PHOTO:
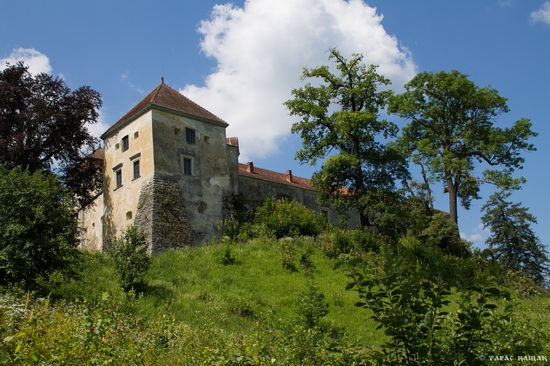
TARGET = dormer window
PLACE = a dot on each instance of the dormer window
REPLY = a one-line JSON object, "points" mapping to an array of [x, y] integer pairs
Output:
{"points": [[190, 136], [125, 143]]}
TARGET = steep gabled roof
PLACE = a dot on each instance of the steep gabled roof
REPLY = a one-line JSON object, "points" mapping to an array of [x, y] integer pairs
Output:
{"points": [[166, 97]]}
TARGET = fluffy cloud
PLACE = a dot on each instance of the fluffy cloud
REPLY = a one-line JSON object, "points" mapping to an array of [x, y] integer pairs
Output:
{"points": [[478, 234], [37, 61], [260, 50], [98, 128], [542, 15]]}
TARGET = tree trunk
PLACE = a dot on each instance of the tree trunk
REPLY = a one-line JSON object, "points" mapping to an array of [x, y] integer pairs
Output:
{"points": [[453, 200]]}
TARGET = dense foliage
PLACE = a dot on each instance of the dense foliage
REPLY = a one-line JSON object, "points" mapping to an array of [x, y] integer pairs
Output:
{"points": [[513, 242], [452, 133], [340, 123], [413, 305], [38, 230], [193, 309], [44, 126], [131, 258], [288, 218]]}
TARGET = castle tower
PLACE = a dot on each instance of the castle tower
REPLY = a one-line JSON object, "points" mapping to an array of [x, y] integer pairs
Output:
{"points": [[165, 170]]}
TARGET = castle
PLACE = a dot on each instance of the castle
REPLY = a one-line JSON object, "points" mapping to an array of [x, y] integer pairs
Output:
{"points": [[169, 168]]}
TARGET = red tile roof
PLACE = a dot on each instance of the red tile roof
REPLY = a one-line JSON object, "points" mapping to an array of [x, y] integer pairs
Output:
{"points": [[165, 96], [247, 170]]}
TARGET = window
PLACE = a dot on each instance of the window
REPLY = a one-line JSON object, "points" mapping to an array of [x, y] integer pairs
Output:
{"points": [[136, 135], [125, 143], [118, 178], [190, 137], [135, 165], [187, 166]]}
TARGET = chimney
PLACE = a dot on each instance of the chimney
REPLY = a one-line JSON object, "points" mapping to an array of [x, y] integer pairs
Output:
{"points": [[289, 175], [250, 167]]}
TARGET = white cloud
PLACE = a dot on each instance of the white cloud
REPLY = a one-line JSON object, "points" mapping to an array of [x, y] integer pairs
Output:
{"points": [[37, 61], [98, 128], [478, 234], [542, 15], [260, 50]]}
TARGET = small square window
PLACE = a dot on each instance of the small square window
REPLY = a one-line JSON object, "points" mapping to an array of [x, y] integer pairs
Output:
{"points": [[135, 165], [125, 143], [187, 166], [118, 178], [190, 136]]}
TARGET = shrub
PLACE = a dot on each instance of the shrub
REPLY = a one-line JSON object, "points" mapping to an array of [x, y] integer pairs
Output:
{"points": [[413, 310], [312, 306], [288, 218], [350, 242], [38, 229], [443, 233], [129, 253]]}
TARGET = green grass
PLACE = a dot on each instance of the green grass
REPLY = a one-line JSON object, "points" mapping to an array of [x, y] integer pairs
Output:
{"points": [[193, 308], [194, 283]]}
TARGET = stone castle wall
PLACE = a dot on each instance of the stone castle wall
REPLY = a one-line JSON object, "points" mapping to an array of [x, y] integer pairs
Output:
{"points": [[162, 216]]}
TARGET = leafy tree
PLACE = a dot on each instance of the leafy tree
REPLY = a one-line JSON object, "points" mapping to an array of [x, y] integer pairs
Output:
{"points": [[43, 126], [38, 231], [130, 254], [340, 122], [512, 242], [452, 131]]}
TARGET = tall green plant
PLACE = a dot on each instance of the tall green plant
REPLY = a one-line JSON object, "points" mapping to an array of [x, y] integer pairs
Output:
{"points": [[131, 259]]}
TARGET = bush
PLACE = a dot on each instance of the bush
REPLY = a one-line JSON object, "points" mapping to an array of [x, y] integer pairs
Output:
{"points": [[355, 241], [312, 306], [288, 218], [443, 233], [413, 309], [129, 253], [38, 229]]}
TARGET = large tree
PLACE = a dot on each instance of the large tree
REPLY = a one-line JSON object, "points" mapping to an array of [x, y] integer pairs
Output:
{"points": [[340, 122], [38, 228], [44, 126], [452, 135], [513, 242]]}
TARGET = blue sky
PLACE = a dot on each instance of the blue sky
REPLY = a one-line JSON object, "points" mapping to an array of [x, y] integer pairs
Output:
{"points": [[241, 59]]}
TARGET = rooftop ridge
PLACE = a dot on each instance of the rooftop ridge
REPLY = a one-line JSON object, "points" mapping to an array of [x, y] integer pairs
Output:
{"points": [[167, 97]]}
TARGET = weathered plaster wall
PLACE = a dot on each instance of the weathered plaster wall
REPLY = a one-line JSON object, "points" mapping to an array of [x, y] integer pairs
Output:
{"points": [[120, 204], [204, 190], [90, 220]]}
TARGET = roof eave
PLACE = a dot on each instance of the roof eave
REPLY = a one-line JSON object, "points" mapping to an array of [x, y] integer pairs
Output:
{"points": [[151, 106]]}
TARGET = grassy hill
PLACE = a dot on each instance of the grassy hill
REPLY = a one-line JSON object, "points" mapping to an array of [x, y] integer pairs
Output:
{"points": [[223, 303]]}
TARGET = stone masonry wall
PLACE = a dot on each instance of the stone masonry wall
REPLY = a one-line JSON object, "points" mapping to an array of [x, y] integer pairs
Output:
{"points": [[161, 215]]}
